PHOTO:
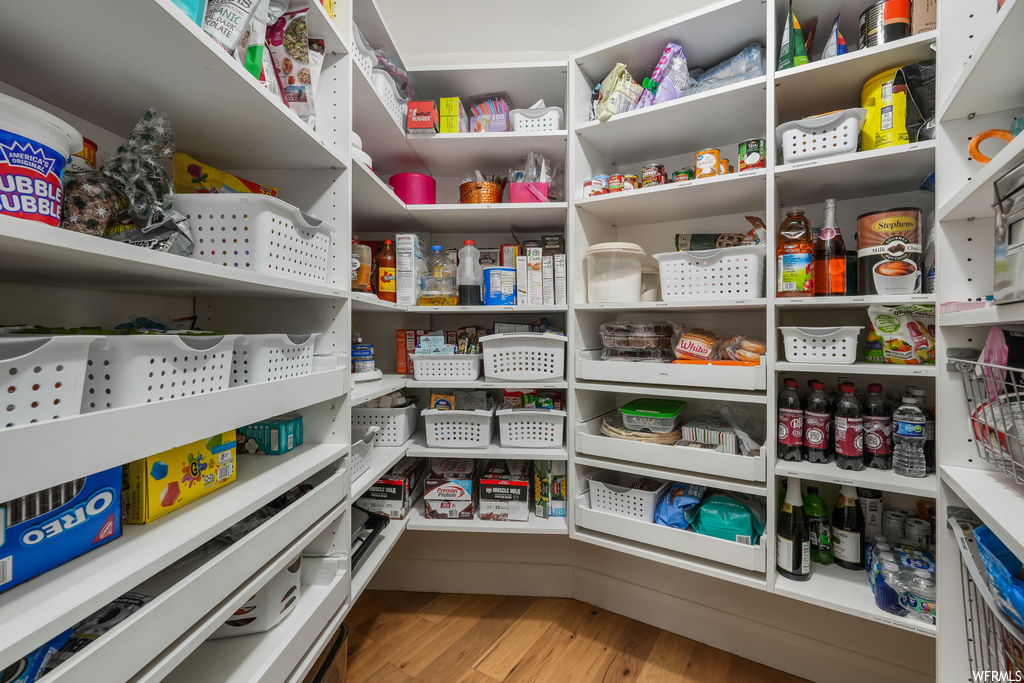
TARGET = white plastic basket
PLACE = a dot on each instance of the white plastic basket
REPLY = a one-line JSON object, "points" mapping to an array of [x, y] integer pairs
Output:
{"points": [[616, 496], [536, 120], [363, 55], [459, 428], [385, 87], [134, 369], [834, 345], [259, 234], [821, 136], [42, 378], [524, 356], [362, 452], [456, 367], [728, 273], [396, 424], [531, 427], [269, 357]]}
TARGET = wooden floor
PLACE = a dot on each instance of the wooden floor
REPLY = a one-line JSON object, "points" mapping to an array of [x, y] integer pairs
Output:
{"points": [[450, 638]]}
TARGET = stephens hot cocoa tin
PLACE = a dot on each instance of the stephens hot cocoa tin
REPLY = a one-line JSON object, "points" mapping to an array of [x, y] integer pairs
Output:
{"points": [[752, 155], [615, 182], [652, 175], [889, 252], [630, 182], [707, 163]]}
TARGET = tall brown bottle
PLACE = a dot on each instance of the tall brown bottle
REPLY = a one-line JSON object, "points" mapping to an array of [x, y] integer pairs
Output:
{"points": [[795, 256], [830, 256]]}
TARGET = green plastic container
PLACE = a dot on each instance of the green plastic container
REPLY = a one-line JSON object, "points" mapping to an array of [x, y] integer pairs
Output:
{"points": [[658, 415]]}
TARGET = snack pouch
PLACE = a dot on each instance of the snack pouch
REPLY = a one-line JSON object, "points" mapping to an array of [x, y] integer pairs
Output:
{"points": [[873, 346], [736, 517], [677, 507], [907, 333], [227, 21], [253, 42], [792, 52], [619, 93], [288, 40], [195, 177], [836, 44]]}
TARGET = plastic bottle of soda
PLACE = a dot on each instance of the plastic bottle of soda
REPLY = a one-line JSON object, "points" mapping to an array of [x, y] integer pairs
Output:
{"points": [[877, 429], [849, 430], [817, 425], [791, 422]]}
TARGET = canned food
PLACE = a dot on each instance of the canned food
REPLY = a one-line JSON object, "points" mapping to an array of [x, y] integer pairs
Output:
{"points": [[917, 532], [362, 358], [684, 175], [892, 524], [707, 163], [885, 21], [630, 182], [751, 153], [592, 187], [615, 182], [723, 167], [652, 175]]}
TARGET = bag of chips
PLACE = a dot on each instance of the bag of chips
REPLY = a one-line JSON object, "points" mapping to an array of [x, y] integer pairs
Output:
{"points": [[195, 177], [907, 333]]}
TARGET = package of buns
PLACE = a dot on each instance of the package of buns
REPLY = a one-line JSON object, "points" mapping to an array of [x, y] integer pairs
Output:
{"points": [[743, 348]]}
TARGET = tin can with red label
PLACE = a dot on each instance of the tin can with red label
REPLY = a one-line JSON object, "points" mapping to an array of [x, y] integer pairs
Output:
{"points": [[615, 182], [652, 175], [752, 154], [593, 187], [683, 176], [630, 182]]}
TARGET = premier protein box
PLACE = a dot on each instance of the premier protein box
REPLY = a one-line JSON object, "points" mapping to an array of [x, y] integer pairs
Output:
{"points": [[448, 489], [43, 530]]}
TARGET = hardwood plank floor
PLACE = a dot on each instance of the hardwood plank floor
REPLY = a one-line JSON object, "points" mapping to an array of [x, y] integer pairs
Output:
{"points": [[397, 637]]}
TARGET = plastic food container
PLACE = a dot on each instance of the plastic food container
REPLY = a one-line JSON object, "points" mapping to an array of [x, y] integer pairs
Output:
{"points": [[362, 266], [657, 415], [836, 345], [820, 136], [617, 495], [614, 272], [636, 335], [47, 142], [650, 282], [649, 355], [414, 188]]}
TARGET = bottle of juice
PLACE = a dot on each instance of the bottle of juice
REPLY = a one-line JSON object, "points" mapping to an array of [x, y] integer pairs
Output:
{"points": [[830, 256], [795, 256]]}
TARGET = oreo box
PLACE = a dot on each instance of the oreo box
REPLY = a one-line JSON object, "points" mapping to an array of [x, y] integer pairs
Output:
{"points": [[448, 489], [504, 491], [43, 530]]}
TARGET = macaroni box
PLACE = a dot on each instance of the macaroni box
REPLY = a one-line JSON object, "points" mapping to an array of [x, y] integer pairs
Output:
{"points": [[275, 436], [448, 489], [504, 490], [156, 485], [394, 493], [43, 530]]}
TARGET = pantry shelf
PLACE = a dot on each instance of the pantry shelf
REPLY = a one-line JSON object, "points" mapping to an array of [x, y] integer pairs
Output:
{"points": [[534, 525], [672, 473], [383, 139], [38, 254], [674, 392], [417, 448], [365, 391], [485, 384], [827, 302], [832, 84], [993, 497], [213, 103], [688, 305], [451, 154], [860, 368], [989, 315], [735, 193], [975, 198], [434, 310], [368, 302], [589, 366], [384, 458], [375, 557], [857, 174], [724, 113], [75, 447], [37, 610], [375, 203], [981, 87], [523, 82], [884, 480], [846, 591], [462, 218]]}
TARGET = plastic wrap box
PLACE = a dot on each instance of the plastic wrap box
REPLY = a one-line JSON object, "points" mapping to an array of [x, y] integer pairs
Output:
{"points": [[156, 485], [422, 117], [43, 530], [448, 489], [275, 436], [394, 493], [504, 491], [549, 488]]}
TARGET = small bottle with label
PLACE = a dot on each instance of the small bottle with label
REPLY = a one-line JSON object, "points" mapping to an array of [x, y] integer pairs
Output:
{"points": [[386, 272], [795, 256]]}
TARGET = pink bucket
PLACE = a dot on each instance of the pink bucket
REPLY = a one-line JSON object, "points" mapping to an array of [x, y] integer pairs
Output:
{"points": [[415, 188]]}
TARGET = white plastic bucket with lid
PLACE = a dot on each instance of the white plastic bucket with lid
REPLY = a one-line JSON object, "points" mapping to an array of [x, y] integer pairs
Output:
{"points": [[34, 147], [613, 272], [650, 282]]}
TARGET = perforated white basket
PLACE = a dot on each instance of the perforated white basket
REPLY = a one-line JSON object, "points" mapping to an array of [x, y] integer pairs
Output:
{"points": [[524, 356], [41, 377], [835, 345], [454, 367], [821, 136], [363, 55], [396, 424], [362, 451], [728, 273], [459, 428], [259, 234], [269, 357], [531, 427], [385, 87], [536, 120], [130, 370], [616, 496]]}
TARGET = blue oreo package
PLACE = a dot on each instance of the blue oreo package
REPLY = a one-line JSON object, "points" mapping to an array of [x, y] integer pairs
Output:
{"points": [[43, 530]]}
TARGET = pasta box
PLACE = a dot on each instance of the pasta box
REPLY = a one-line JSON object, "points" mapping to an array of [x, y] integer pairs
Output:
{"points": [[43, 530], [448, 489], [394, 493], [275, 436], [504, 491], [153, 486]]}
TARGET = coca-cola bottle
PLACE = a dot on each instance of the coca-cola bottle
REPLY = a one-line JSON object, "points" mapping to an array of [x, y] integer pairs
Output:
{"points": [[877, 429], [849, 429], [791, 421], [817, 424]]}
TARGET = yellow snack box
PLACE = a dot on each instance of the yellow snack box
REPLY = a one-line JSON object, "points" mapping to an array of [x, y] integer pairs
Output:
{"points": [[151, 487]]}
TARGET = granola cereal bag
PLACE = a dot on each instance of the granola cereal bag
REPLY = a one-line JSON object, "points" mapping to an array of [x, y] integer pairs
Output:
{"points": [[288, 40]]}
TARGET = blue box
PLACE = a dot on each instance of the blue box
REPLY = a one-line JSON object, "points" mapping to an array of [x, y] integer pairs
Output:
{"points": [[44, 530]]}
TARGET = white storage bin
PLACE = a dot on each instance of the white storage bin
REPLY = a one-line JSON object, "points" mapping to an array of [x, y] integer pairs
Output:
{"points": [[361, 454], [616, 496], [614, 272], [454, 367], [540, 120], [524, 356], [729, 273], [835, 345], [362, 54], [42, 377], [393, 101], [396, 424], [821, 136], [268, 607], [269, 357], [459, 428], [531, 428], [134, 369], [259, 234]]}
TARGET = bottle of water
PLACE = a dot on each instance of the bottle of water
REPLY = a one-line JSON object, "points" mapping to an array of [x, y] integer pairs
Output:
{"points": [[909, 436], [889, 589], [918, 596]]}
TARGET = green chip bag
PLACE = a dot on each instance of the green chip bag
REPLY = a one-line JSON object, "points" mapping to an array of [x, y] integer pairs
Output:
{"points": [[792, 53]]}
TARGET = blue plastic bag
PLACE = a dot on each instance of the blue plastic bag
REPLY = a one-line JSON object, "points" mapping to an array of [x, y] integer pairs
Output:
{"points": [[677, 507], [1003, 568]]}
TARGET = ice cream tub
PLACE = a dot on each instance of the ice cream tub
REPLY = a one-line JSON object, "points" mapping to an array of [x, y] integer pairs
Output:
{"points": [[34, 148]]}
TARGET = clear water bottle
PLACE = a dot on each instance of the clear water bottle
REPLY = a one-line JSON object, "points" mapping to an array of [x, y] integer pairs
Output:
{"points": [[929, 426], [471, 275], [889, 589], [439, 284], [918, 596], [909, 436], [870, 552]]}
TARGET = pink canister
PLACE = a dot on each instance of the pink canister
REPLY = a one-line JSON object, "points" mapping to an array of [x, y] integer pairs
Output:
{"points": [[415, 188]]}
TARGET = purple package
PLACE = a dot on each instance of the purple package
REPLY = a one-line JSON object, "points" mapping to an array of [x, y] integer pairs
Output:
{"points": [[647, 98], [1004, 348]]}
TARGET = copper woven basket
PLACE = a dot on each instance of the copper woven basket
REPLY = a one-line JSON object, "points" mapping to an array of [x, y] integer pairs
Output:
{"points": [[478, 192]]}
